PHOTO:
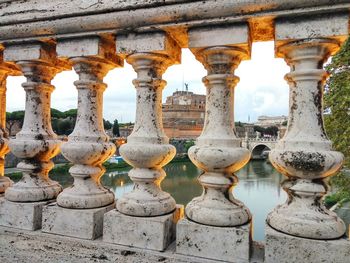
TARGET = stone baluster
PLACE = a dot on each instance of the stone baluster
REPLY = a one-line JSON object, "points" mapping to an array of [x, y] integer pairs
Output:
{"points": [[88, 145], [147, 148], [36, 144], [5, 71], [217, 152], [305, 153]]}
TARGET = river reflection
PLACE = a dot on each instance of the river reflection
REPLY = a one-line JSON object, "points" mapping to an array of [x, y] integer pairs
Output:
{"points": [[259, 187]]}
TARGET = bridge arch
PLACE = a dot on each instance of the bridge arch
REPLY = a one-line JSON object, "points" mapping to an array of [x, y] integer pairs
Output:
{"points": [[260, 151]]}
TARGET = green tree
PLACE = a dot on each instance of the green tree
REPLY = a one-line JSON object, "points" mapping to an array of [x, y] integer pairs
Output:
{"points": [[72, 113], [337, 101], [116, 128], [57, 114], [337, 118], [188, 144], [107, 124], [65, 127]]}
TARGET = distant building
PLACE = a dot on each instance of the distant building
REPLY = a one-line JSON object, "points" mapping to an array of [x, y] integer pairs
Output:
{"points": [[125, 131], [183, 114], [266, 121], [245, 129]]}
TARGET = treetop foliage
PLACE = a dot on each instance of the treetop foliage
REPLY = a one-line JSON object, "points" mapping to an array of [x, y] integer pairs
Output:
{"points": [[337, 101]]}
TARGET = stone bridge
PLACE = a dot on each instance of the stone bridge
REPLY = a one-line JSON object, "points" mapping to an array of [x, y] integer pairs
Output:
{"points": [[260, 147], [40, 38]]}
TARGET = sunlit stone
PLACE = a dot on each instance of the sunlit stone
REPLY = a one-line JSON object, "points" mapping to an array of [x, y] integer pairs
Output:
{"points": [[305, 153]]}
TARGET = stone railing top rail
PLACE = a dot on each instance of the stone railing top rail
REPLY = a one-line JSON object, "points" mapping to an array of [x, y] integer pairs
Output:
{"points": [[262, 140], [22, 20]]}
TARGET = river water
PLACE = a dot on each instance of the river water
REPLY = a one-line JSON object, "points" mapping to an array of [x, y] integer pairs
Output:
{"points": [[258, 187]]}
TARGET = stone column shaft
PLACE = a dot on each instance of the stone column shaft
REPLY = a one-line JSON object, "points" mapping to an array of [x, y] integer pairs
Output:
{"points": [[305, 153]]}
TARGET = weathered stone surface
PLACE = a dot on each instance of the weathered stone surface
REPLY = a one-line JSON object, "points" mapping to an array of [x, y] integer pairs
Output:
{"points": [[237, 35], [88, 145], [33, 51], [5, 182], [156, 42], [93, 46], [282, 248], [21, 215], [6, 69], [20, 245], [57, 17], [154, 233], [229, 244], [305, 153], [332, 25], [80, 223], [147, 148], [217, 151], [36, 144]]}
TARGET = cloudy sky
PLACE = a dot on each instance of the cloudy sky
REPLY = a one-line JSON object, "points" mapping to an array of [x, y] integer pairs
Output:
{"points": [[261, 90]]}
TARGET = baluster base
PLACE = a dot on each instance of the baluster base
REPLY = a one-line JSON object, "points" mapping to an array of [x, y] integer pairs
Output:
{"points": [[229, 244], [86, 192], [26, 216], [79, 223], [155, 233], [35, 185], [147, 198], [207, 210], [283, 248], [304, 215], [5, 182]]}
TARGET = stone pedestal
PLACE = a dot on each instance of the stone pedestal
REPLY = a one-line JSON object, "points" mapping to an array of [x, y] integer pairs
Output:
{"points": [[229, 244], [26, 216], [155, 233], [282, 248], [80, 223]]}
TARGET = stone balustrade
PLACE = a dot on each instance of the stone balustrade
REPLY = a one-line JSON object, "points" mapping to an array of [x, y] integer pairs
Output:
{"points": [[93, 37]]}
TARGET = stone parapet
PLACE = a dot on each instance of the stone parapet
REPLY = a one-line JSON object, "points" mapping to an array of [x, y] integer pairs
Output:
{"points": [[155, 233], [80, 223], [283, 248], [229, 244], [32, 19], [26, 216]]}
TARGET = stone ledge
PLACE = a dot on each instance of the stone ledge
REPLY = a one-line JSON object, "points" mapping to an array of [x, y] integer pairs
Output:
{"points": [[80, 223], [232, 244], [18, 245], [282, 248], [21, 215], [144, 232]]}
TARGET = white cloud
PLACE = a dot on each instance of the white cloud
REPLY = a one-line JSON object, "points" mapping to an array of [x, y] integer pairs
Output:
{"points": [[261, 90]]}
